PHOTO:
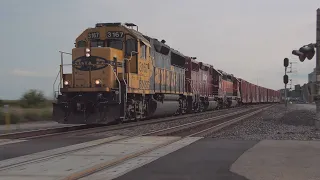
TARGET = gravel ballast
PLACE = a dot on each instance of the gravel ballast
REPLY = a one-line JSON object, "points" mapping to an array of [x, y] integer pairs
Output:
{"points": [[134, 131], [277, 123], [142, 129]]}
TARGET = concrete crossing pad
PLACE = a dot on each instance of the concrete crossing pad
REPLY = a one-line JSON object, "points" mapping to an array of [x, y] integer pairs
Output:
{"points": [[78, 162], [281, 160], [54, 152], [134, 163]]}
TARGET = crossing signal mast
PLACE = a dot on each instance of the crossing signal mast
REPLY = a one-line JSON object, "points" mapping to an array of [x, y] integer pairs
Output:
{"points": [[308, 51], [285, 79]]}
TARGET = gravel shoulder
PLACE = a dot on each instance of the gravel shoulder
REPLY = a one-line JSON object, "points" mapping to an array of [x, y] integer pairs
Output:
{"points": [[277, 123]]}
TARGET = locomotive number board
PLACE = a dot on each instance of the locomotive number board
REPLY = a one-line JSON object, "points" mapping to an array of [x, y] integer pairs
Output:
{"points": [[115, 34], [93, 35]]}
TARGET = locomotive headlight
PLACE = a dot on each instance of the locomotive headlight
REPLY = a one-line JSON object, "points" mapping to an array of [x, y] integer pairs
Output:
{"points": [[87, 50], [66, 83], [87, 55], [98, 82]]}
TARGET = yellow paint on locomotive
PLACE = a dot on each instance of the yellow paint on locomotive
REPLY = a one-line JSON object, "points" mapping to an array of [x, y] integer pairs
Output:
{"points": [[145, 66], [141, 70], [102, 66], [101, 70]]}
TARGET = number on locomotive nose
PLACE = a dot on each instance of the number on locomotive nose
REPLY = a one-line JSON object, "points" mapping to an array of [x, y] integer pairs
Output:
{"points": [[115, 34], [93, 35]]}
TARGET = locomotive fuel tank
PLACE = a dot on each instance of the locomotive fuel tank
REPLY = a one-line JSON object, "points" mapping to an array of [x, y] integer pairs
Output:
{"points": [[168, 105], [233, 103], [212, 104]]}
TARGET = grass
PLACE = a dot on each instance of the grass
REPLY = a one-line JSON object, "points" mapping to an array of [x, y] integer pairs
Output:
{"points": [[22, 115]]}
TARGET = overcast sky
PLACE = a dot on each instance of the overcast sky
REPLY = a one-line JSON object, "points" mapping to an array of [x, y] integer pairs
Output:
{"points": [[248, 38]]}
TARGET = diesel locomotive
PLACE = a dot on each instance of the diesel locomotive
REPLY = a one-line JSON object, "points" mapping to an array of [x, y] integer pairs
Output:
{"points": [[120, 74]]}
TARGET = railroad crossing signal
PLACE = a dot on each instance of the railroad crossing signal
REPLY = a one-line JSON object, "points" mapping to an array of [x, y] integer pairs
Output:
{"points": [[306, 51], [286, 62], [285, 79]]}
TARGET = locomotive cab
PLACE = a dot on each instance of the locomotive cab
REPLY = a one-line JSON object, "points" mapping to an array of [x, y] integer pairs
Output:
{"points": [[103, 60]]}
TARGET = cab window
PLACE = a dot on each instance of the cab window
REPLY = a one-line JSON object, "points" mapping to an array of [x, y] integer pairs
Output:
{"points": [[97, 43], [143, 50], [115, 43], [81, 44], [130, 46]]}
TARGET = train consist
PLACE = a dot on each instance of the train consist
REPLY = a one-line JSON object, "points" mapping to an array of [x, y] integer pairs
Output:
{"points": [[119, 74]]}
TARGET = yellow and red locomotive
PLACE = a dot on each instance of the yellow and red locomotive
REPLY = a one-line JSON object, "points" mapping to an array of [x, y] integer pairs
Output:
{"points": [[119, 74]]}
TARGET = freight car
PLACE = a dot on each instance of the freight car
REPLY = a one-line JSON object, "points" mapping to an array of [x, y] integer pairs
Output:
{"points": [[254, 94], [119, 74]]}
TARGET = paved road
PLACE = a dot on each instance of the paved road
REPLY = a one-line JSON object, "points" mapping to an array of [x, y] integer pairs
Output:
{"points": [[202, 160], [30, 126], [41, 144]]}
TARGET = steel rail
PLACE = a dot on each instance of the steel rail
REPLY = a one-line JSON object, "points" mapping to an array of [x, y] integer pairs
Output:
{"points": [[39, 133]]}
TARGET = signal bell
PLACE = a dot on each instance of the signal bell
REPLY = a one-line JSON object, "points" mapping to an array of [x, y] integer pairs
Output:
{"points": [[302, 57], [304, 52]]}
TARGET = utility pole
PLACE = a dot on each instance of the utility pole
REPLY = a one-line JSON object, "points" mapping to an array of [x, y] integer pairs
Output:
{"points": [[317, 97], [285, 79], [308, 51]]}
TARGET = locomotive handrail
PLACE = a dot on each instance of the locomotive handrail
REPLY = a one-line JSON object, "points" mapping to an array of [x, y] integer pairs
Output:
{"points": [[189, 80], [61, 66], [118, 84], [125, 82], [54, 84]]}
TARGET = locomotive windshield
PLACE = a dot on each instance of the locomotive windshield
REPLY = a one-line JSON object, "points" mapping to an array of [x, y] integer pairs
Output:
{"points": [[81, 44], [113, 43]]}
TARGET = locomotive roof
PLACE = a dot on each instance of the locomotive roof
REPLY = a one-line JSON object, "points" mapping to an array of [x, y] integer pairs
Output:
{"points": [[207, 65], [142, 37], [222, 72], [146, 40], [177, 52], [227, 74], [218, 71], [139, 36]]}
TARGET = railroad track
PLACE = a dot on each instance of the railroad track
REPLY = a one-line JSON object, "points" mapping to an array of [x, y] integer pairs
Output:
{"points": [[184, 131], [94, 129], [209, 125], [203, 126]]}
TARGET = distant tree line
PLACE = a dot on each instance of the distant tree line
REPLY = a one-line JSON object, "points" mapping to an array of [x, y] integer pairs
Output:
{"points": [[31, 99]]}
